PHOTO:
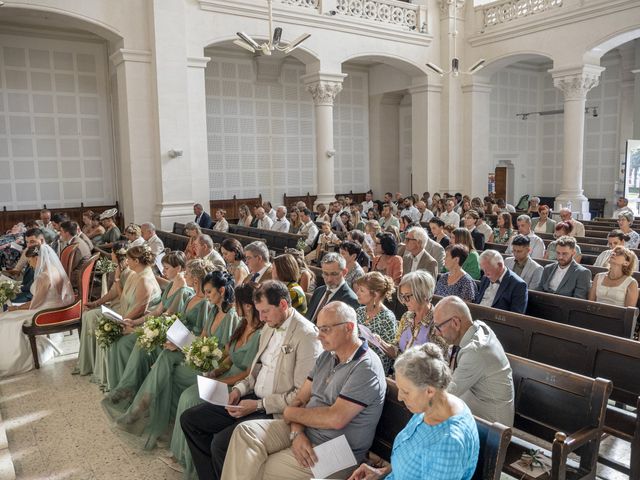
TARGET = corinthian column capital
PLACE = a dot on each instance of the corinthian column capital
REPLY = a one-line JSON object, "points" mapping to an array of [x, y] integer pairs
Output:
{"points": [[575, 82], [324, 87]]}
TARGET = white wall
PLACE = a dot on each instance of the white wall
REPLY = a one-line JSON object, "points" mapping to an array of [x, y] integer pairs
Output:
{"points": [[55, 134], [261, 136]]}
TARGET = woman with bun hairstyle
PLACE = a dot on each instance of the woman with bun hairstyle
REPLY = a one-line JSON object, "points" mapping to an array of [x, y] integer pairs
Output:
{"points": [[141, 291], [234, 367], [372, 290], [441, 440], [233, 254]]}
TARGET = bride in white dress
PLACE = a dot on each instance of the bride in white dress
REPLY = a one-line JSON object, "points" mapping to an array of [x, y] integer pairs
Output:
{"points": [[51, 288]]}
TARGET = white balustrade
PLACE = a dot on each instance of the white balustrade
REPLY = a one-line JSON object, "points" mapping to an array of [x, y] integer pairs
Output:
{"points": [[301, 3], [508, 10], [385, 11]]}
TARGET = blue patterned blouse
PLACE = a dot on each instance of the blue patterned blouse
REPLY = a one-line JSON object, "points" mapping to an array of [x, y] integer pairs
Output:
{"points": [[465, 288]]}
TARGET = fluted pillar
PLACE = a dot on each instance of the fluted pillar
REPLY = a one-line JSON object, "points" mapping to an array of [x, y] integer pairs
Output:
{"points": [[324, 87], [574, 83]]}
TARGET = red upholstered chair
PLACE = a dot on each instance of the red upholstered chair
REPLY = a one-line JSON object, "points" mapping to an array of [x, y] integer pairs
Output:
{"points": [[66, 258], [60, 319]]}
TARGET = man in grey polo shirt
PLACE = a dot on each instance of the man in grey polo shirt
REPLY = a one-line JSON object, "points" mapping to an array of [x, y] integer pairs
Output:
{"points": [[343, 395]]}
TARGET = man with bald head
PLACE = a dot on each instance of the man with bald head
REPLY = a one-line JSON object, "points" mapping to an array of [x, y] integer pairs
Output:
{"points": [[481, 372], [264, 221]]}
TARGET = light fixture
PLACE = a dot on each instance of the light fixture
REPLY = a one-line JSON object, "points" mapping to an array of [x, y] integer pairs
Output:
{"points": [[587, 110], [455, 61], [273, 44]]}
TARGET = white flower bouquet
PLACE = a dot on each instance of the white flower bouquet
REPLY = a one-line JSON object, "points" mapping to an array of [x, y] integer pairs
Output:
{"points": [[203, 354], [301, 244], [153, 332], [105, 265], [8, 291], [108, 331]]}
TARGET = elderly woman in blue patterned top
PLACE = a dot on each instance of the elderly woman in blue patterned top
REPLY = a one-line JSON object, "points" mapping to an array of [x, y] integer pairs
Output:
{"points": [[441, 439]]}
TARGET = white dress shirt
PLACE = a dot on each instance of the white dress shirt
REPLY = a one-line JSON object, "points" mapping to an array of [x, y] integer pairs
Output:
{"points": [[281, 225], [426, 216], [272, 215], [618, 211], [155, 245], [412, 212], [416, 261], [311, 231], [265, 223], [366, 206], [556, 280], [491, 291], [269, 359], [450, 218], [262, 271]]}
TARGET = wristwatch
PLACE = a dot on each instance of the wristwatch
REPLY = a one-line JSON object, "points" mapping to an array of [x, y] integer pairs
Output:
{"points": [[260, 406], [293, 435]]}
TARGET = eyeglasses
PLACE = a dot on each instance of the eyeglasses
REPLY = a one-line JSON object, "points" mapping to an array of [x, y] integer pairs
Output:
{"points": [[327, 329], [439, 326], [330, 274], [405, 297], [408, 239]]}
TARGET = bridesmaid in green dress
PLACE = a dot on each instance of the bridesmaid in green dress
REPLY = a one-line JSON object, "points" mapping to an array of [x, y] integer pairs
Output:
{"points": [[140, 291], [234, 367], [91, 316], [175, 296]]}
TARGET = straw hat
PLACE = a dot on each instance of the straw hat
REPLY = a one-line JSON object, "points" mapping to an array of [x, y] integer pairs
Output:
{"points": [[112, 212]]}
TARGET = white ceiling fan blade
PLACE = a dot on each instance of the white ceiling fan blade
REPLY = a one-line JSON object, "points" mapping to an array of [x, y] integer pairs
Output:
{"points": [[294, 44], [248, 40], [244, 45]]}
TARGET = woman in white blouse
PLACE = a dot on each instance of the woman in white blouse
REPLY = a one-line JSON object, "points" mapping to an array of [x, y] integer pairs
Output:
{"points": [[617, 286]]}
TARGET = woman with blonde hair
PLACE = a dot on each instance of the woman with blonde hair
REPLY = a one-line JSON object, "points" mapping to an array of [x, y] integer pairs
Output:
{"points": [[133, 233], [285, 268], [372, 290], [193, 231], [617, 286], [244, 216]]}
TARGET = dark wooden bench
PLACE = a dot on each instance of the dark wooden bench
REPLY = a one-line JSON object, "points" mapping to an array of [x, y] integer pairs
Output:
{"points": [[560, 407], [582, 351], [580, 240], [232, 206], [494, 438], [219, 237], [619, 321], [291, 200], [277, 241], [174, 241]]}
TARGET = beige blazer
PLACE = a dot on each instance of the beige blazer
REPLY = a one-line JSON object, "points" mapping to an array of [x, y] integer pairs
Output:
{"points": [[427, 262], [296, 359]]}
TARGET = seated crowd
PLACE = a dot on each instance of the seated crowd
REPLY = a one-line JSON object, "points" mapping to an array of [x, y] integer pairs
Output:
{"points": [[305, 359]]}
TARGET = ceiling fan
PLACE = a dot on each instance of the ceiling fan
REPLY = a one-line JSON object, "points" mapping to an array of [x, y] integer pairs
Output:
{"points": [[273, 44]]}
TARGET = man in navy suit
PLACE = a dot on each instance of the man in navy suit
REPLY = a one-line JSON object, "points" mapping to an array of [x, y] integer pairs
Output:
{"points": [[202, 218], [334, 268], [500, 287]]}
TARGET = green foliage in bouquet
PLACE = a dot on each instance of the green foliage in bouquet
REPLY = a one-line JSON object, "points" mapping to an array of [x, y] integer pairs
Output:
{"points": [[105, 265], [203, 354], [153, 332], [108, 331], [8, 291]]}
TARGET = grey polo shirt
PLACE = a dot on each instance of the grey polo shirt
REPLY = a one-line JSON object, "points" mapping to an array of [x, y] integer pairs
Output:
{"points": [[359, 380]]}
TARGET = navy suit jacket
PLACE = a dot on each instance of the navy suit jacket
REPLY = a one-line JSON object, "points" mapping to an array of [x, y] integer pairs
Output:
{"points": [[512, 294], [343, 294], [205, 220]]}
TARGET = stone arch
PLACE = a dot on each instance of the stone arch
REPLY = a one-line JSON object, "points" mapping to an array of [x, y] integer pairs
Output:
{"points": [[496, 64], [405, 65], [611, 41]]}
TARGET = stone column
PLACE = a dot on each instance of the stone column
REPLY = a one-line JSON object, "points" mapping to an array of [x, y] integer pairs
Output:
{"points": [[324, 87], [137, 134], [574, 82], [425, 139], [475, 146]]}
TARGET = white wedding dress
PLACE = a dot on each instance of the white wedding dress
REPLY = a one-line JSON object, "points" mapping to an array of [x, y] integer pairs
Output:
{"points": [[51, 288]]}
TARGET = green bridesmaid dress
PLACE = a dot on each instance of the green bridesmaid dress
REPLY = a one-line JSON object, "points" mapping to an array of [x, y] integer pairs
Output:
{"points": [[241, 359], [117, 355], [89, 349], [140, 361]]}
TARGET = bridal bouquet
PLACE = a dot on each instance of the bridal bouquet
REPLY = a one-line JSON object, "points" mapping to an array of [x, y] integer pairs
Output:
{"points": [[153, 332], [203, 354], [8, 291], [301, 244], [104, 265], [108, 331]]}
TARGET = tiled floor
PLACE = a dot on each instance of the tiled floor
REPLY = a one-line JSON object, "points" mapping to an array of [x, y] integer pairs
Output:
{"points": [[57, 431]]}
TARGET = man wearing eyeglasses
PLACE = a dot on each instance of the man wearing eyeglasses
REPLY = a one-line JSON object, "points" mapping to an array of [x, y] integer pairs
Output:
{"points": [[416, 257], [343, 395], [286, 354], [481, 371], [335, 288]]}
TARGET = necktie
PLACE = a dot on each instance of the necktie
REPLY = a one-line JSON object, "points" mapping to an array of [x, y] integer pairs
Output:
{"points": [[255, 276], [322, 303], [453, 362]]}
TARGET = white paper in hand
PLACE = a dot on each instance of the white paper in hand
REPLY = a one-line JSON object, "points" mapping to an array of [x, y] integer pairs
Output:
{"points": [[110, 314], [368, 335], [213, 391], [180, 335], [333, 456]]}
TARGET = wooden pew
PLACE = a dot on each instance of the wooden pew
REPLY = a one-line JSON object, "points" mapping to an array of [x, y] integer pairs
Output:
{"points": [[277, 241], [174, 241], [232, 206], [308, 199], [561, 407], [217, 237], [586, 352], [494, 438], [8, 218], [618, 321]]}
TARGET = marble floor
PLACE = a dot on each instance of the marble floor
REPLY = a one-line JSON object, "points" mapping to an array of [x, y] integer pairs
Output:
{"points": [[56, 430]]}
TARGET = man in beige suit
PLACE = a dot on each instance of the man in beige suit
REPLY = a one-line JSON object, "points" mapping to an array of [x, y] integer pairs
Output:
{"points": [[286, 354], [415, 256]]}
